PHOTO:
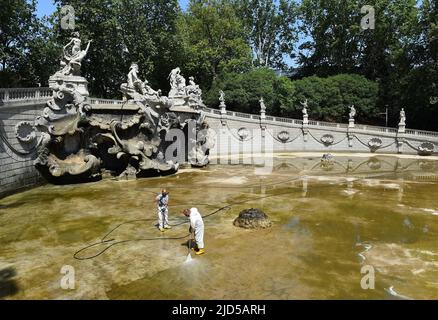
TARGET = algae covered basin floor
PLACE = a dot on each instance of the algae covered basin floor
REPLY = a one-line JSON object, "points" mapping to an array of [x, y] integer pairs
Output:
{"points": [[331, 221]]}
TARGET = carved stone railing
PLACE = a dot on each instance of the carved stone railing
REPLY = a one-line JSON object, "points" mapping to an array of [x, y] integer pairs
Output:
{"points": [[9, 95], [321, 124], [13, 95], [104, 101]]}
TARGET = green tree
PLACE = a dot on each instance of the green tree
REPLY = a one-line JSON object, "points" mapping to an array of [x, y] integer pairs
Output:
{"points": [[329, 98], [358, 91], [42, 59], [418, 89], [126, 31], [331, 30], [271, 28], [398, 53], [244, 90], [19, 26], [214, 40]]}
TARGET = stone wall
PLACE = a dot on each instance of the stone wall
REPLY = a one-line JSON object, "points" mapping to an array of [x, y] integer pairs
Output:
{"points": [[237, 133], [241, 133], [17, 171]]}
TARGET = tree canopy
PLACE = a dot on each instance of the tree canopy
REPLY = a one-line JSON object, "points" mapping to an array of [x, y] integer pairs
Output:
{"points": [[242, 47]]}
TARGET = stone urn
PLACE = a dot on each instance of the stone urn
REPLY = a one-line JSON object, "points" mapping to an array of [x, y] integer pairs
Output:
{"points": [[252, 219]]}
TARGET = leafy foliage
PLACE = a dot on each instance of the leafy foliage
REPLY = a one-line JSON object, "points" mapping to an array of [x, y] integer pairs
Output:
{"points": [[234, 45], [213, 40], [19, 27], [244, 90], [330, 98], [271, 29], [123, 32]]}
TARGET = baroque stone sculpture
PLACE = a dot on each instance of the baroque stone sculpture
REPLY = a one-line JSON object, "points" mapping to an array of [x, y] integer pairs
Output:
{"points": [[177, 83], [136, 89], [184, 97], [80, 141], [72, 57]]}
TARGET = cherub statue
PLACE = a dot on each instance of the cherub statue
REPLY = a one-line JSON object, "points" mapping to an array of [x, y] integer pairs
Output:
{"points": [[73, 56]]}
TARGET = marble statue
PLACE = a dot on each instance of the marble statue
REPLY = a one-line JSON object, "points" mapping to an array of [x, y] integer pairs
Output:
{"points": [[61, 156], [305, 106], [262, 105], [352, 112], [73, 56], [79, 141], [194, 92], [177, 83], [135, 88], [222, 105], [193, 88], [202, 140], [351, 115], [222, 97], [402, 117], [305, 114]]}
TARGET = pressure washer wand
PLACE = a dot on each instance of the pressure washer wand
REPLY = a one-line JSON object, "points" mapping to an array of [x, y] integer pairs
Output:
{"points": [[190, 241]]}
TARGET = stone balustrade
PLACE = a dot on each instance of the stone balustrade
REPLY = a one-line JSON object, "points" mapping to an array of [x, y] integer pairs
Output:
{"points": [[24, 94], [23, 105], [37, 95]]}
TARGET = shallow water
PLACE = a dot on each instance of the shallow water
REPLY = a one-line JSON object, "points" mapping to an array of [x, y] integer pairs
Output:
{"points": [[329, 221]]}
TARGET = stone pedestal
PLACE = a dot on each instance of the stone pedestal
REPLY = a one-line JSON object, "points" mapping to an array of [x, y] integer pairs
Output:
{"points": [[305, 120], [305, 129], [179, 100], [400, 142], [401, 128], [223, 108], [351, 123], [77, 83], [350, 140]]}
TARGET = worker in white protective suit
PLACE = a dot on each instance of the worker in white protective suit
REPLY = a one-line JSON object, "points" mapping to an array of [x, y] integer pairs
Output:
{"points": [[197, 227]]}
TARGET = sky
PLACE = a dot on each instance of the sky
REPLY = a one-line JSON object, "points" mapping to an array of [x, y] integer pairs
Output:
{"points": [[46, 7]]}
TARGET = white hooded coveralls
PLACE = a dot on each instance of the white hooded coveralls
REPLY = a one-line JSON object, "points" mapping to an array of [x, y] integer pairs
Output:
{"points": [[197, 225]]}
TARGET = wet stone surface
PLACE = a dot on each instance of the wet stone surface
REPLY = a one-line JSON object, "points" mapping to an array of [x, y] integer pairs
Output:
{"points": [[327, 224]]}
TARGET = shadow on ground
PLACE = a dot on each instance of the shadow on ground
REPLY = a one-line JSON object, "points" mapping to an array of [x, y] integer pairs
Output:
{"points": [[8, 286]]}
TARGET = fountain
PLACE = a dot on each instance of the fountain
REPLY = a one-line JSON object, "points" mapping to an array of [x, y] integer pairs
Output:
{"points": [[80, 141]]}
